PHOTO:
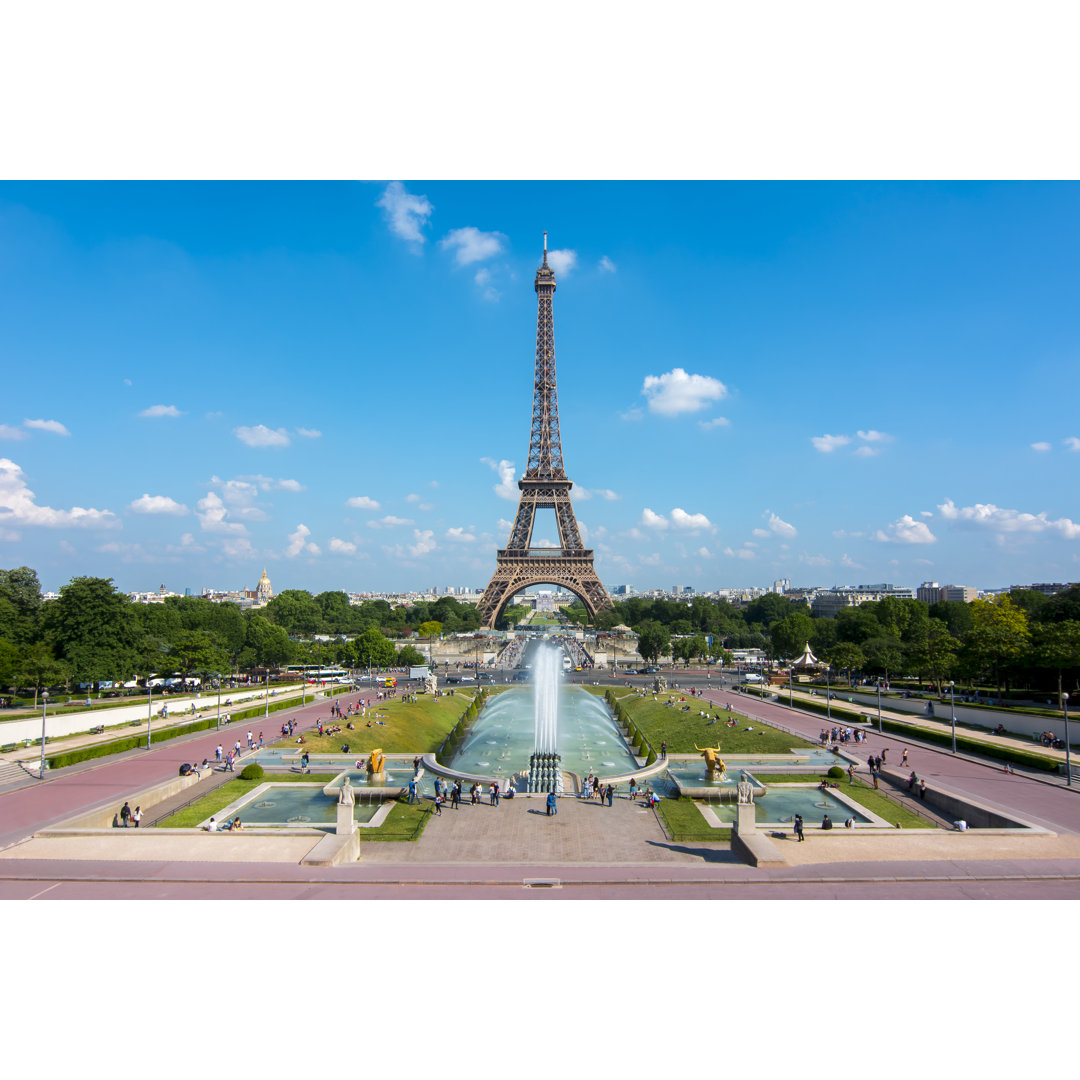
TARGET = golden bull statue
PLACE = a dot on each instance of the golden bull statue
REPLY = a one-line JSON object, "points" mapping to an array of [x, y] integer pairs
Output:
{"points": [[376, 761], [713, 763]]}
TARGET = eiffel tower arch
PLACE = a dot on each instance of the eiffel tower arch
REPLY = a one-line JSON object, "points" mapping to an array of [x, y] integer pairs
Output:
{"points": [[544, 486]]}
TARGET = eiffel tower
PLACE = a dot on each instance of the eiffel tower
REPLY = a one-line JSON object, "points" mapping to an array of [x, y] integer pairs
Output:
{"points": [[544, 487]]}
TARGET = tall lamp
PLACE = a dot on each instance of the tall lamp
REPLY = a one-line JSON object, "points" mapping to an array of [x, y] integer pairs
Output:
{"points": [[1068, 759], [952, 711], [44, 702]]}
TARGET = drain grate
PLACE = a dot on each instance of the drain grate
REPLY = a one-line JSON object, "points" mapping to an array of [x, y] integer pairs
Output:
{"points": [[541, 883]]}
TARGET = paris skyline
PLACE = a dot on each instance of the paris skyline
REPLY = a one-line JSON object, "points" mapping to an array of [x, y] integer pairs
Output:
{"points": [[824, 382]]}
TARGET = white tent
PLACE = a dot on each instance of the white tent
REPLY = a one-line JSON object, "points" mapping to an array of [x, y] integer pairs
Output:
{"points": [[808, 659]]}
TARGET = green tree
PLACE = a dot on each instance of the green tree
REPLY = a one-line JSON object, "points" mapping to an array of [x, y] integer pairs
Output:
{"points": [[791, 634], [846, 656], [430, 629], [653, 642], [38, 667], [94, 630], [999, 635], [1057, 647], [9, 663], [410, 656], [296, 611], [933, 653], [372, 648], [884, 653], [267, 645], [20, 605], [198, 650], [766, 610]]}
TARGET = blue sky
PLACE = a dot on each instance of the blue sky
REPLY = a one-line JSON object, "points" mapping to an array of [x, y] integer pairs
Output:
{"points": [[829, 382]]}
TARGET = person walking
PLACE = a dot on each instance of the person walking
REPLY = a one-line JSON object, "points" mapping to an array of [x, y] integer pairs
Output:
{"points": [[552, 809], [851, 774], [903, 758], [610, 794], [125, 815], [438, 805], [455, 796], [799, 828], [218, 752], [229, 762], [412, 791], [922, 790], [137, 816]]}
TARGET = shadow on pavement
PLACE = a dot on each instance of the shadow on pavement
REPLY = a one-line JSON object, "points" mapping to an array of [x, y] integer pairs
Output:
{"points": [[710, 855]]}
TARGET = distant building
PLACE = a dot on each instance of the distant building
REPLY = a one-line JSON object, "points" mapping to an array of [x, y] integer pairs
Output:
{"points": [[829, 602], [1046, 588], [930, 592], [263, 593], [782, 585]]}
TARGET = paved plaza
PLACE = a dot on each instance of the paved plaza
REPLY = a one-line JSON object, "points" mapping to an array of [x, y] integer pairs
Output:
{"points": [[515, 850]]}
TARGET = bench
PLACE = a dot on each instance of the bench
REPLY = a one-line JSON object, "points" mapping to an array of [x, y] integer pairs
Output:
{"points": [[99, 730], [8, 748]]}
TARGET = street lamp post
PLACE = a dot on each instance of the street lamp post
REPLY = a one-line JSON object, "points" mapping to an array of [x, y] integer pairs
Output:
{"points": [[828, 695], [952, 711], [879, 706], [790, 688], [219, 702], [44, 703], [1068, 759], [266, 712], [149, 710]]}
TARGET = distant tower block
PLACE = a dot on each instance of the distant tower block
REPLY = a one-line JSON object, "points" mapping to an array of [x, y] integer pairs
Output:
{"points": [[544, 487]]}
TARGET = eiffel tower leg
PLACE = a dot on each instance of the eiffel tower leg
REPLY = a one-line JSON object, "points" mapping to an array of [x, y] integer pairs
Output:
{"points": [[574, 573]]}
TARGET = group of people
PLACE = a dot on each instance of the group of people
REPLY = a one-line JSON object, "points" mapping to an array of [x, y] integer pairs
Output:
{"points": [[130, 817], [834, 735], [591, 788], [230, 826]]}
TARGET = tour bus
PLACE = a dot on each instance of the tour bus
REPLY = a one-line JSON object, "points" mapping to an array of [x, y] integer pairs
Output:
{"points": [[386, 680]]}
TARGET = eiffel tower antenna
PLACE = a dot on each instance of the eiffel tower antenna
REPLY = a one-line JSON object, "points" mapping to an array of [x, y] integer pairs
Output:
{"points": [[544, 486]]}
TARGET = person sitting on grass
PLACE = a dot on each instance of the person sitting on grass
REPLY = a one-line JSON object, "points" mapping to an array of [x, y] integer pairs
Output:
{"points": [[212, 826]]}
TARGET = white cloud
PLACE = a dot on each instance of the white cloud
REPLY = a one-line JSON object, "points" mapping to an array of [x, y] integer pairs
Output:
{"points": [[126, 382], [261, 436], [363, 502], [923, 562], [649, 560], [390, 522], [742, 553], [715, 422], [290, 485], [607, 264], [851, 564], [298, 543], [704, 552], [12, 535], [828, 443], [678, 392], [158, 504], [9, 432], [689, 522], [633, 413], [780, 527], [1041, 447], [239, 548], [926, 513], [460, 535], [544, 543], [764, 533], [342, 547], [503, 525], [239, 495], [1072, 442], [213, 515], [161, 410], [406, 213], [17, 506], [47, 425], [874, 436], [425, 542], [507, 487], [309, 433], [562, 260], [906, 530], [584, 494], [653, 521], [866, 451], [994, 518], [419, 505], [840, 534], [815, 560], [470, 245]]}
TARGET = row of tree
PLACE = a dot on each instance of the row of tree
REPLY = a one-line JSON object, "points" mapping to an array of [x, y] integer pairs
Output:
{"points": [[92, 633], [1019, 638]]}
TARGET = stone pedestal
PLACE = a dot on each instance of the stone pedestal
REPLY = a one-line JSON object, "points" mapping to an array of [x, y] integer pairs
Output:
{"points": [[346, 823], [745, 821]]}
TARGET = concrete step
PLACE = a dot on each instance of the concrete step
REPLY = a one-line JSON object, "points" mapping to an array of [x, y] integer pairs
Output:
{"points": [[11, 772]]}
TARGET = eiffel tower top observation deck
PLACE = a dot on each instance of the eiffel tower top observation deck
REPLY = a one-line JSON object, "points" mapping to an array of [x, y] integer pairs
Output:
{"points": [[544, 486]]}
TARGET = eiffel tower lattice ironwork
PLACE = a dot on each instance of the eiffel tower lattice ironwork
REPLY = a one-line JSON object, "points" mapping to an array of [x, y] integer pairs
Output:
{"points": [[544, 487]]}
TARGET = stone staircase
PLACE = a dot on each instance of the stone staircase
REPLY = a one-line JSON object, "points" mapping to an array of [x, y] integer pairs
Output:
{"points": [[12, 772]]}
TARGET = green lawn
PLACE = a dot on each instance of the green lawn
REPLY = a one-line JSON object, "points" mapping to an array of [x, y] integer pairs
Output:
{"points": [[405, 822], [684, 822], [417, 728], [683, 730], [216, 800]]}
